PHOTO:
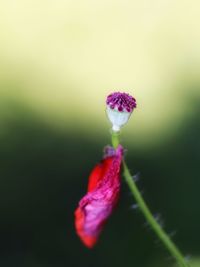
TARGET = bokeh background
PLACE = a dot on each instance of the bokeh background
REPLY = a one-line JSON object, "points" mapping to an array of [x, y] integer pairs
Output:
{"points": [[58, 61]]}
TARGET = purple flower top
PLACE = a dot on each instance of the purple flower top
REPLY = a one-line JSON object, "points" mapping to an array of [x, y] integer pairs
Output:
{"points": [[121, 101]]}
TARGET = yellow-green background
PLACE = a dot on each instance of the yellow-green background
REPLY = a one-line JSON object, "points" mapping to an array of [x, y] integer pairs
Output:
{"points": [[58, 61]]}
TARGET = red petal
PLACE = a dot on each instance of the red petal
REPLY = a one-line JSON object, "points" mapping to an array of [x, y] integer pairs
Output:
{"points": [[79, 224], [97, 205], [98, 173]]}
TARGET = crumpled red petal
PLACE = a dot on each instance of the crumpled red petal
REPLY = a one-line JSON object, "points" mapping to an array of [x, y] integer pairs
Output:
{"points": [[101, 198]]}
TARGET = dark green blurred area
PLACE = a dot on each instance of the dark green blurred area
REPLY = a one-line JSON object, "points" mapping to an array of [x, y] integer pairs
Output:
{"points": [[43, 175]]}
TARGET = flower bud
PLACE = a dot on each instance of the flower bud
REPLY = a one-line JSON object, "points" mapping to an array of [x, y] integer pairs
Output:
{"points": [[119, 109]]}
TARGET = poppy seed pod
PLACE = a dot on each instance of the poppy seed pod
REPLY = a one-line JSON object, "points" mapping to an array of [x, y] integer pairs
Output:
{"points": [[119, 107]]}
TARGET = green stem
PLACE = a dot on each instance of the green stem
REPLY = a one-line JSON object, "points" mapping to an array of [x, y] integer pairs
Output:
{"points": [[115, 139], [167, 242]]}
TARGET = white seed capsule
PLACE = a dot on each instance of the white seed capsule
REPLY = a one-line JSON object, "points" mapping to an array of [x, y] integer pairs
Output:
{"points": [[119, 108]]}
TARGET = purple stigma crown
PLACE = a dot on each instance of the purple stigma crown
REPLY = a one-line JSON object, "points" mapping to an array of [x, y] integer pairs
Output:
{"points": [[121, 102]]}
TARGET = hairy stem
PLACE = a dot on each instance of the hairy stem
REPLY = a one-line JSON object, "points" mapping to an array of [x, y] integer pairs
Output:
{"points": [[162, 235]]}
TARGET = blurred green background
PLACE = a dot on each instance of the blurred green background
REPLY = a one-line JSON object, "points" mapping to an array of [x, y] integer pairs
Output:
{"points": [[58, 61]]}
